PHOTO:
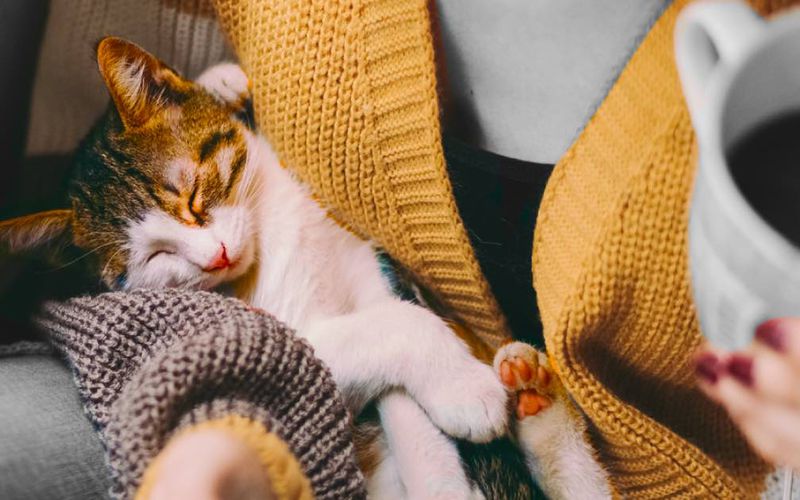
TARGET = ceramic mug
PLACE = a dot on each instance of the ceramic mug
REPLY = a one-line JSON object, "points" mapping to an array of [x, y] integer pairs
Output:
{"points": [[738, 71]]}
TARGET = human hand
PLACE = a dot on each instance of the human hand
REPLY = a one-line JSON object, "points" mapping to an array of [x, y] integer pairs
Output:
{"points": [[209, 464], [760, 388]]}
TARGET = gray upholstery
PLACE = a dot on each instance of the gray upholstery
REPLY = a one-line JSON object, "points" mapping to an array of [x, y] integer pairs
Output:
{"points": [[48, 449], [21, 26]]}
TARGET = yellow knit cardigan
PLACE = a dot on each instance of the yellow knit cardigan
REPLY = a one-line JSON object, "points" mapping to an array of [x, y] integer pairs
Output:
{"points": [[346, 92]]}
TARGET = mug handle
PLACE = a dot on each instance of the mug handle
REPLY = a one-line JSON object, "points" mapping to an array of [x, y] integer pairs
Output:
{"points": [[708, 36]]}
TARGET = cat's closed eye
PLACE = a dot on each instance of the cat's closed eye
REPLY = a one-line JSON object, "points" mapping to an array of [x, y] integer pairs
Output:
{"points": [[158, 253], [195, 205], [171, 189]]}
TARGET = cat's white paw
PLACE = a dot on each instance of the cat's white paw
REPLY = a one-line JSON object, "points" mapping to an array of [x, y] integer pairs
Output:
{"points": [[227, 82], [526, 371], [470, 403], [550, 430]]}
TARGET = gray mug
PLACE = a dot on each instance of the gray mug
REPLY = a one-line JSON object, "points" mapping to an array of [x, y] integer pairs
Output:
{"points": [[737, 71]]}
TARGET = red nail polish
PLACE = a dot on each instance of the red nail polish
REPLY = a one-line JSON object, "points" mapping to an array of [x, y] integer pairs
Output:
{"points": [[741, 368], [707, 367], [772, 334]]}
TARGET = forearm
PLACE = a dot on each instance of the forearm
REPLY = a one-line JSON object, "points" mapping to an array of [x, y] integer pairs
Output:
{"points": [[152, 364]]}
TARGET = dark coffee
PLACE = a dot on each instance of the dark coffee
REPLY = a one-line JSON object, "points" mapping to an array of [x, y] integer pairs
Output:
{"points": [[765, 164]]}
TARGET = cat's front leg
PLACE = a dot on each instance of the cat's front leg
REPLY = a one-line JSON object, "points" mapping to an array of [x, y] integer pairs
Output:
{"points": [[397, 344], [550, 430], [427, 462]]}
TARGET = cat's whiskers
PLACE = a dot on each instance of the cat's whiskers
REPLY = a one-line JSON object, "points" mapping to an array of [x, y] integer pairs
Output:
{"points": [[110, 259], [249, 187], [194, 283], [87, 253]]}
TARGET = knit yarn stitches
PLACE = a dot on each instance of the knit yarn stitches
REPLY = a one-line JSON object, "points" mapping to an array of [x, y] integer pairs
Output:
{"points": [[150, 362], [345, 91]]}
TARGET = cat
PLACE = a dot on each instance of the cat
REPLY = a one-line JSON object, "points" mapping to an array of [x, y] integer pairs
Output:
{"points": [[174, 188]]}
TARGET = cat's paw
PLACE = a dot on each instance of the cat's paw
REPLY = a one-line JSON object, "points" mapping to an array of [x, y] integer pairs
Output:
{"points": [[526, 371], [471, 404], [227, 82]]}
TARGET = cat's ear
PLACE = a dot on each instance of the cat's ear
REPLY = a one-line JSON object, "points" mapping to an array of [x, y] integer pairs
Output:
{"points": [[38, 231], [140, 84]]}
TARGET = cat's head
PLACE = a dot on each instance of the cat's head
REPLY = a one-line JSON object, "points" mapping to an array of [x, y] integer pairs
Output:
{"points": [[160, 193]]}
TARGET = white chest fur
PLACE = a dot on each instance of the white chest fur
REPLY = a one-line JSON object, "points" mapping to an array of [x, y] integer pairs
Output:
{"points": [[327, 284], [308, 268]]}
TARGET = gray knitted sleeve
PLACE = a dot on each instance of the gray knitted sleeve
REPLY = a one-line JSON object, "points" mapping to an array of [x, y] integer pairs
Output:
{"points": [[150, 362]]}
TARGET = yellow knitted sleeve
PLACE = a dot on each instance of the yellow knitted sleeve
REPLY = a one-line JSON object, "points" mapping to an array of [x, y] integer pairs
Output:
{"points": [[346, 93], [286, 477]]}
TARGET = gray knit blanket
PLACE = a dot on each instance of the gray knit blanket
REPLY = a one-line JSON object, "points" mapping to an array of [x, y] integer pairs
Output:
{"points": [[150, 362]]}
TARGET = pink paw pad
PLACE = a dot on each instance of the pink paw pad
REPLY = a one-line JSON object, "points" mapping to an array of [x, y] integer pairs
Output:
{"points": [[526, 371]]}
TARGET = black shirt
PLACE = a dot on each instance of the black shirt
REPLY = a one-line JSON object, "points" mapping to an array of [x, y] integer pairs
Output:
{"points": [[498, 199]]}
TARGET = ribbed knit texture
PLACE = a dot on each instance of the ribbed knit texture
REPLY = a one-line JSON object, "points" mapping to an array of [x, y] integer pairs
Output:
{"points": [[611, 271], [346, 93], [148, 363], [68, 93]]}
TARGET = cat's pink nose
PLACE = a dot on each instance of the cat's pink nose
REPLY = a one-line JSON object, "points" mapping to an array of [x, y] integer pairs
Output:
{"points": [[220, 260]]}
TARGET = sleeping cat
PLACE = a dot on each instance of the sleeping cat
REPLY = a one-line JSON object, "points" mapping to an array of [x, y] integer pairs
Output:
{"points": [[173, 189]]}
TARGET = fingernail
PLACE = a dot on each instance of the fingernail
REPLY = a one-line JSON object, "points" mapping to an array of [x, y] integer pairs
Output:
{"points": [[741, 368], [707, 367], [772, 334]]}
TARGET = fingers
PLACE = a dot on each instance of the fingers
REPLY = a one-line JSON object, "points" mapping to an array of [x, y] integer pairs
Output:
{"points": [[772, 429], [770, 367], [760, 389], [766, 375], [773, 432], [771, 375], [781, 335], [709, 365], [739, 401]]}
